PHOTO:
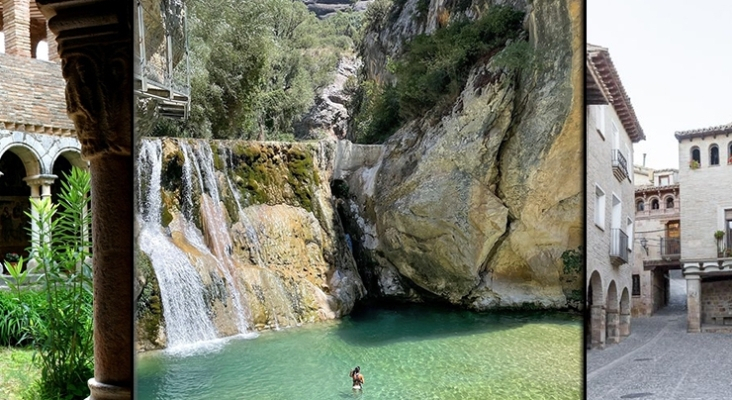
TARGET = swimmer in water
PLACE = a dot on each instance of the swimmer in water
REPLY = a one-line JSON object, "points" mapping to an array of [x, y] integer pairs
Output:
{"points": [[357, 378]]}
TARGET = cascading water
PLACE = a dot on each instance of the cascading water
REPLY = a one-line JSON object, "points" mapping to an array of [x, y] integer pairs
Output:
{"points": [[255, 248], [181, 288], [212, 214]]}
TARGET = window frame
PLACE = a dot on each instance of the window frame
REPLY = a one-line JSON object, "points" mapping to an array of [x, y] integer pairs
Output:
{"points": [[600, 204]]}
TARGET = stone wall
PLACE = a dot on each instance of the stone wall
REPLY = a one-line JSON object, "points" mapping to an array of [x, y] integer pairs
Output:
{"points": [[704, 197], [717, 302], [599, 174]]}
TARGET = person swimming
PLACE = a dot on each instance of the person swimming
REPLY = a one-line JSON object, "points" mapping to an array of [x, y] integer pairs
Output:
{"points": [[357, 377]]}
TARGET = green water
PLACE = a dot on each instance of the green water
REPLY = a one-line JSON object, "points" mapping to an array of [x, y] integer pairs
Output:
{"points": [[405, 352]]}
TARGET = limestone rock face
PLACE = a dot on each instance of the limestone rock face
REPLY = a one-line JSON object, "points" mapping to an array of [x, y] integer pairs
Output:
{"points": [[479, 207], [328, 116], [257, 225], [326, 8]]}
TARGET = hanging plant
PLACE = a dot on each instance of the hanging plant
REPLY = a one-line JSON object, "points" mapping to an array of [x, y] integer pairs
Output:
{"points": [[693, 164], [719, 235]]}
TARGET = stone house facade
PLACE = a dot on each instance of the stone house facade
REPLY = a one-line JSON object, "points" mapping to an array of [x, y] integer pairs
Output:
{"points": [[612, 128], [705, 173], [37, 139], [657, 237]]}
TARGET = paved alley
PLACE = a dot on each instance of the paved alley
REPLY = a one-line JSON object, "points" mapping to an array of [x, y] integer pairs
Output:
{"points": [[661, 361]]}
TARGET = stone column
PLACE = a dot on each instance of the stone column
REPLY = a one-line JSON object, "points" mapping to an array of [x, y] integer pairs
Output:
{"points": [[693, 303], [597, 326], [40, 186], [613, 322], [94, 42], [16, 26], [624, 327], [52, 46]]}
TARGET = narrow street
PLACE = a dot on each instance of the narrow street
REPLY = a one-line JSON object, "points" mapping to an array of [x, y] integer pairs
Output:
{"points": [[661, 361]]}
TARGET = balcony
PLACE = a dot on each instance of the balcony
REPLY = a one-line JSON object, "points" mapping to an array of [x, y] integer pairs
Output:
{"points": [[670, 248], [620, 165], [618, 247]]}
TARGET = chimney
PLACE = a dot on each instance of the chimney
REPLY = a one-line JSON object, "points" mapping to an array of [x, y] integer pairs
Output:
{"points": [[644, 159]]}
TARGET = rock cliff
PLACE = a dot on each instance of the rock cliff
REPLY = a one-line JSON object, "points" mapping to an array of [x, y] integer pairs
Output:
{"points": [[478, 207]]}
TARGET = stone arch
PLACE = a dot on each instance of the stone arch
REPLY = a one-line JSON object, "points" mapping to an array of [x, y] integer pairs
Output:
{"points": [[695, 154], [713, 154], [30, 157], [72, 155], [655, 203], [596, 306], [669, 201], [624, 321], [611, 312], [640, 205]]}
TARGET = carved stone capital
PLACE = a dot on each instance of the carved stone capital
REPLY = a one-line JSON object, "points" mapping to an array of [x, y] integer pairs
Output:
{"points": [[94, 42]]}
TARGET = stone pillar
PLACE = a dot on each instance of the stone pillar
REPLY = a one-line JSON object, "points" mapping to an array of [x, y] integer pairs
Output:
{"points": [[693, 303], [40, 186], [624, 327], [613, 322], [16, 26], [94, 42], [597, 326], [52, 46]]}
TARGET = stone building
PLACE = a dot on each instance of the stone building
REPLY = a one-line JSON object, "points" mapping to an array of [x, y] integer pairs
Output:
{"points": [[657, 230], [612, 128], [705, 173], [37, 139]]}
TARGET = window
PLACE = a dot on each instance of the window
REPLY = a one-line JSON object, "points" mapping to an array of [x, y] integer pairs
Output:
{"points": [[639, 206], [714, 155], [696, 155], [729, 153], [669, 202], [654, 204], [600, 120], [663, 180], [599, 207], [42, 50], [629, 231], [636, 285], [728, 226]]}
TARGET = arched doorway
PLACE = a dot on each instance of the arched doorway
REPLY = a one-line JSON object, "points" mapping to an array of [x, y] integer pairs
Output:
{"points": [[14, 203], [595, 297], [611, 306], [624, 321]]}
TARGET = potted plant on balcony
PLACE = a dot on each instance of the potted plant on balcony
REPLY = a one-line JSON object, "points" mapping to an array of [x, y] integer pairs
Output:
{"points": [[719, 235], [693, 164]]}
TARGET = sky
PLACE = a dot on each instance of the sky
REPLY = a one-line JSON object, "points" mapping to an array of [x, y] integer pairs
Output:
{"points": [[674, 58]]}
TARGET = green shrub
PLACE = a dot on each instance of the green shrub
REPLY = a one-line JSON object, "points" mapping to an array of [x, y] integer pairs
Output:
{"points": [[432, 72], [63, 338], [18, 314], [434, 68]]}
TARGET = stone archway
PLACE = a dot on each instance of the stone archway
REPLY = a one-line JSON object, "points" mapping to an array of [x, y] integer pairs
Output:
{"points": [[14, 203], [613, 317], [624, 321], [596, 299]]}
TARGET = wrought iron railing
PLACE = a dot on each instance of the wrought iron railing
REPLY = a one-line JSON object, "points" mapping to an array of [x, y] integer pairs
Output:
{"points": [[619, 245], [620, 164]]}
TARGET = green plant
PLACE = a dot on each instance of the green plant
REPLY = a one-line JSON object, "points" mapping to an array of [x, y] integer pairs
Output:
{"points": [[12, 257], [572, 260], [64, 339], [693, 164], [719, 235]]}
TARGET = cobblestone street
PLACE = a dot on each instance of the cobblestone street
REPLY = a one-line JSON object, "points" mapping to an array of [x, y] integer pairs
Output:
{"points": [[661, 361]]}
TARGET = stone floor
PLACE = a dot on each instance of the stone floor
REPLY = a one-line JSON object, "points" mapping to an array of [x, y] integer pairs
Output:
{"points": [[661, 361]]}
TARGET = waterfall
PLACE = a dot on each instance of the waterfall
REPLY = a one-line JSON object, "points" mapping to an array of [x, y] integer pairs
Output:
{"points": [[181, 288], [212, 216]]}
